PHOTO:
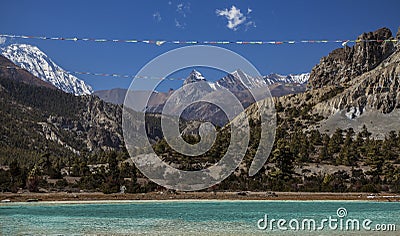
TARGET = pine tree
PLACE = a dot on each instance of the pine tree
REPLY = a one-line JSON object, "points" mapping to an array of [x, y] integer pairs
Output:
{"points": [[284, 159], [348, 154], [34, 177], [335, 142]]}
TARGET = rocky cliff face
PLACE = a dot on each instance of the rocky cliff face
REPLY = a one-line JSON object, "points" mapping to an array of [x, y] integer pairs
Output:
{"points": [[377, 89], [352, 87], [372, 76], [98, 125], [398, 34], [344, 64]]}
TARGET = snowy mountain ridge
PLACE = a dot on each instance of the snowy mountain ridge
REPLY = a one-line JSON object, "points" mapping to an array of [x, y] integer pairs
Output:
{"points": [[39, 64], [291, 78], [239, 80]]}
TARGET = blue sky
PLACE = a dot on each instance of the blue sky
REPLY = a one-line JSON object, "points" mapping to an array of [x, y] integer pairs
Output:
{"points": [[190, 20]]}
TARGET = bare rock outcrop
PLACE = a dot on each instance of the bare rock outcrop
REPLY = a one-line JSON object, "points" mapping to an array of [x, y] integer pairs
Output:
{"points": [[344, 64]]}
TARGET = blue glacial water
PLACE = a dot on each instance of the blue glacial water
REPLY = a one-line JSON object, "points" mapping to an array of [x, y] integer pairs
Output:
{"points": [[192, 217]]}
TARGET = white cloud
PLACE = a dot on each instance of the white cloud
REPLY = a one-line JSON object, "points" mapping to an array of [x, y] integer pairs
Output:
{"points": [[183, 8], [179, 7], [234, 17], [250, 24], [2, 40], [249, 11], [157, 16], [180, 25]]}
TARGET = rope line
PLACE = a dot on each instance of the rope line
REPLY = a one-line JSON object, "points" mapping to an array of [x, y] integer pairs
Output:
{"points": [[99, 74], [162, 42], [133, 76]]}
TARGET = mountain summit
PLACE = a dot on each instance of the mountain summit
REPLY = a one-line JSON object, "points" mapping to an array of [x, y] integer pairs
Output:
{"points": [[194, 76], [240, 81], [39, 64], [345, 64]]}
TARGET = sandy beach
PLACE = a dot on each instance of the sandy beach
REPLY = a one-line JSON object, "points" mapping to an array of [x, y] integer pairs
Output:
{"points": [[97, 196]]}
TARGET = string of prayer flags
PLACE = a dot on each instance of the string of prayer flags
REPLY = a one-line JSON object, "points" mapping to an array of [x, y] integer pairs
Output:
{"points": [[162, 42]]}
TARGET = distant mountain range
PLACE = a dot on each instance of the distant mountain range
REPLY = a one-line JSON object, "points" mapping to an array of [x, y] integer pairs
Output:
{"points": [[287, 79], [40, 65], [236, 81]]}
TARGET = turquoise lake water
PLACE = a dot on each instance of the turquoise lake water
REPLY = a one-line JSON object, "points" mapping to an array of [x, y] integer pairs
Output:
{"points": [[194, 218]]}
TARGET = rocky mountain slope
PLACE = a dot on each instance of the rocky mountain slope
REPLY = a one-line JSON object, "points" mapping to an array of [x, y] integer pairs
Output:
{"points": [[355, 86], [38, 118], [115, 95], [14, 72], [344, 64], [41, 119], [40, 65]]}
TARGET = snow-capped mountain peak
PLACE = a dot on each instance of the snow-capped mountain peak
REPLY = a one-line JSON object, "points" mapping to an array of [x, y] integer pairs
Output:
{"points": [[286, 79], [194, 76], [300, 78], [198, 75], [39, 64], [239, 80], [249, 81]]}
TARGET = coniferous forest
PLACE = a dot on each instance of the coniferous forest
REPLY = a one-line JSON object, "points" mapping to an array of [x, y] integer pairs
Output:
{"points": [[358, 162]]}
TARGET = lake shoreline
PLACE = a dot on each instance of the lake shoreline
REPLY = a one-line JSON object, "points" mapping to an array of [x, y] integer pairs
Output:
{"points": [[245, 195]]}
